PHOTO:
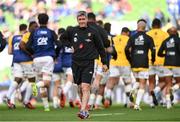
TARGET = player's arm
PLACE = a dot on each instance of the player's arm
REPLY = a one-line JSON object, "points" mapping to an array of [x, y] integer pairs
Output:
{"points": [[65, 38], [161, 50], [128, 50], [100, 48], [28, 47], [23, 42], [153, 50], [2, 42], [10, 45]]}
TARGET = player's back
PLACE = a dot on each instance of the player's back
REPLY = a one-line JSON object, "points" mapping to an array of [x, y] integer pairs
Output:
{"points": [[43, 42], [120, 42], [158, 36]]}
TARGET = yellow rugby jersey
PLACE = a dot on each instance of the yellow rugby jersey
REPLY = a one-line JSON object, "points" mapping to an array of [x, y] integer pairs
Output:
{"points": [[120, 42], [158, 36], [10, 42], [25, 37]]}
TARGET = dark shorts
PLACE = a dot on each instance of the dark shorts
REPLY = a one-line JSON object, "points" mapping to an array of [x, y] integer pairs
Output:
{"points": [[83, 74]]}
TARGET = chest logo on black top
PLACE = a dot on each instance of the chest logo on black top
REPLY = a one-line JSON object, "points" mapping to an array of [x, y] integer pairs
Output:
{"points": [[170, 43], [89, 34], [139, 40]]}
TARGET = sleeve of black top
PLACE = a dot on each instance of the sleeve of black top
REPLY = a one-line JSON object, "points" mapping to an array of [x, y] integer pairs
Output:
{"points": [[29, 43], [2, 42], [65, 38], [99, 46], [153, 50], [127, 50], [161, 50], [104, 35]]}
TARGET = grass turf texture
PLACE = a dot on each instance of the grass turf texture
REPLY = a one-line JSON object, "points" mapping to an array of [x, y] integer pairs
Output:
{"points": [[115, 113]]}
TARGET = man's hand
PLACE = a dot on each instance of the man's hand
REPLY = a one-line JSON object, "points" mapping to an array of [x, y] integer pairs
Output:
{"points": [[104, 68]]}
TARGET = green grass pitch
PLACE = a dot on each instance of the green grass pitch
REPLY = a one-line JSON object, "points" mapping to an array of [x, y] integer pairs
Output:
{"points": [[115, 113]]}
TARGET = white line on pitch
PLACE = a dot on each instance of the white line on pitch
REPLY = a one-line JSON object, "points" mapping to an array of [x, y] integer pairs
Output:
{"points": [[108, 114]]}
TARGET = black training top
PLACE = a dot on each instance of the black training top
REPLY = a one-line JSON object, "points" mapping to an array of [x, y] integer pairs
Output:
{"points": [[137, 50], [170, 49], [86, 43]]}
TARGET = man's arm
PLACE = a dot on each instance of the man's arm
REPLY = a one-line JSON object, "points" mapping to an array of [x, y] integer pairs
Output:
{"points": [[10, 45], [100, 48], [153, 51], [65, 38], [23, 42], [29, 44], [161, 50], [2, 42], [128, 50]]}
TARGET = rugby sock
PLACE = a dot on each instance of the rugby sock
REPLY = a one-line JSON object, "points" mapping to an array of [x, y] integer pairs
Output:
{"points": [[28, 93], [175, 87], [157, 89], [108, 93], [140, 94], [24, 86], [92, 99], [12, 89], [99, 99], [13, 97], [70, 94], [128, 88], [135, 86], [67, 86], [55, 102], [40, 84], [168, 101], [45, 102]]}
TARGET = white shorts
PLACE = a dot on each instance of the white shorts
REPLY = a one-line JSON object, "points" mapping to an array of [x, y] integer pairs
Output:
{"points": [[141, 74], [99, 71], [44, 67], [120, 71], [176, 72], [62, 76], [160, 71], [22, 70]]}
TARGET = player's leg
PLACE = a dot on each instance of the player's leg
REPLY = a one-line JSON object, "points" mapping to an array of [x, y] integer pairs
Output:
{"points": [[56, 80], [126, 77], [45, 66], [18, 75], [95, 86], [112, 81], [142, 77], [30, 74]]}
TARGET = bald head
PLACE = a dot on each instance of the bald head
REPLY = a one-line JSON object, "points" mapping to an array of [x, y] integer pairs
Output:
{"points": [[141, 26]]}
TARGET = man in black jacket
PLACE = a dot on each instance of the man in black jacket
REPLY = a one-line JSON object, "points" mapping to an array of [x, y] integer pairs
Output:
{"points": [[87, 47], [2, 42], [137, 53], [170, 49]]}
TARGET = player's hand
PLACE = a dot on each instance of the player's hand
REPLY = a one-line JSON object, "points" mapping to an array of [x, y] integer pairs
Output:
{"points": [[105, 68]]}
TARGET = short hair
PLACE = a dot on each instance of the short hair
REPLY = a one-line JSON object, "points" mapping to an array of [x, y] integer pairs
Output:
{"points": [[91, 15], [61, 30], [32, 23], [100, 22], [43, 18], [107, 26], [125, 29], [156, 22], [141, 20], [22, 27], [81, 13]]}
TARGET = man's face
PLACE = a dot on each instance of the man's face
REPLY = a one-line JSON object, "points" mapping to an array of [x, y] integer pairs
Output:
{"points": [[82, 21]]}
